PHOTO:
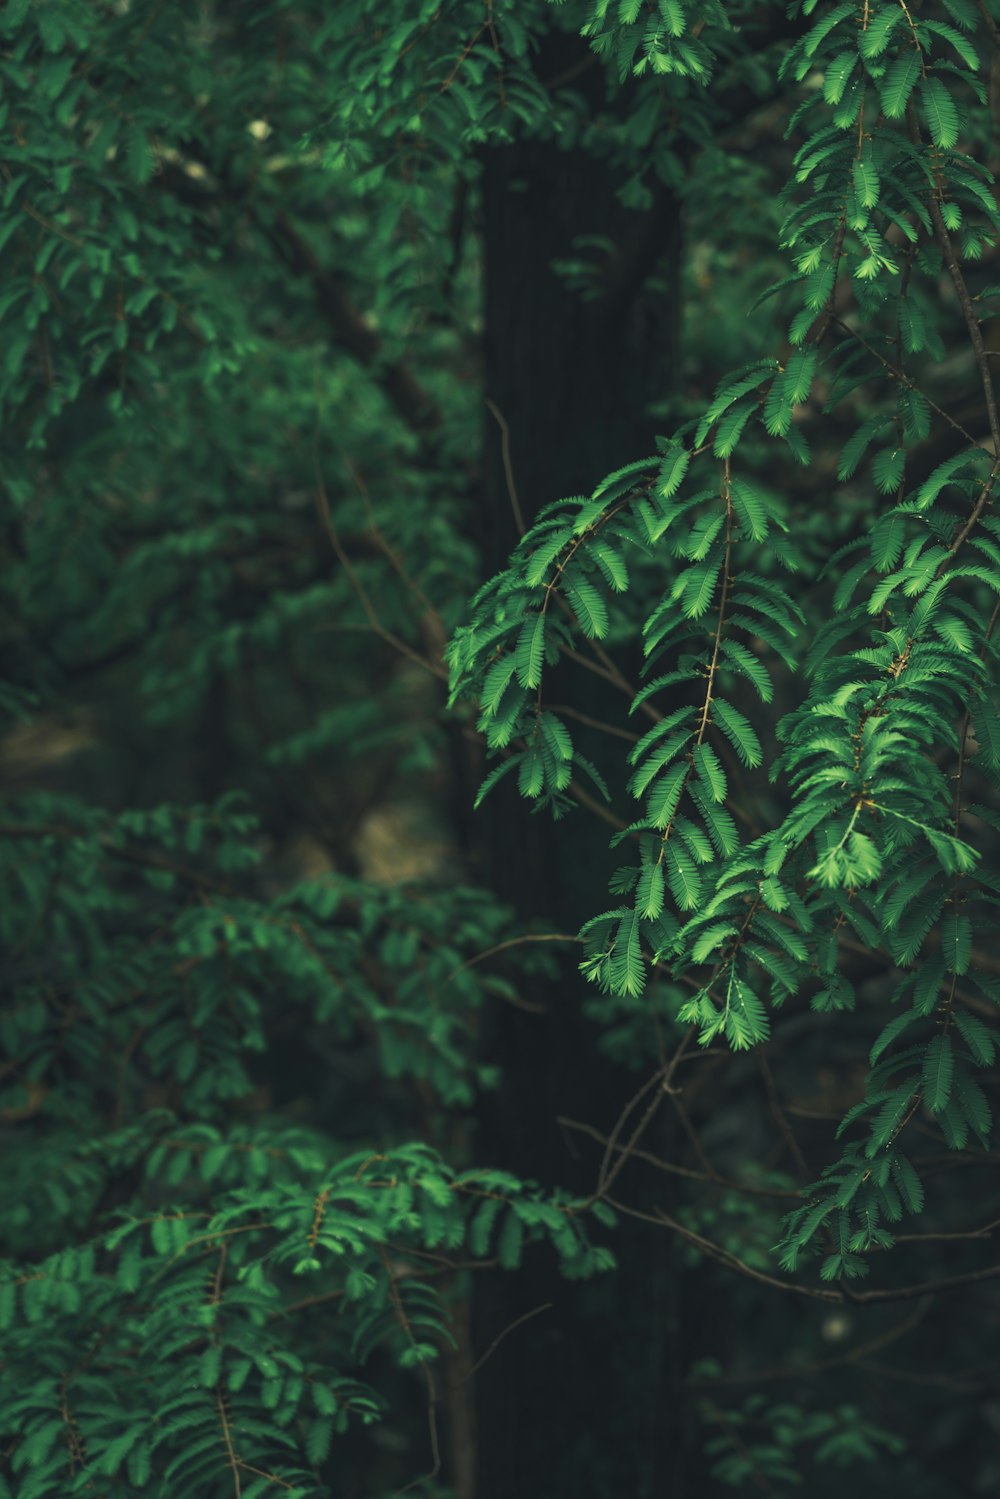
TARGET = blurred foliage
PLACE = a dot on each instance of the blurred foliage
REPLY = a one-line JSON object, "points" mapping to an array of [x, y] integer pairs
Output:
{"points": [[277, 1009]]}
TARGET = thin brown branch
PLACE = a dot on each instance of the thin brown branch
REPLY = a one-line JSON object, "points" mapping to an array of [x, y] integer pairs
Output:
{"points": [[925, 1287], [446, 85], [983, 499], [694, 1139], [263, 1473], [593, 723], [220, 1273], [508, 467], [673, 1169], [607, 671], [591, 803], [511, 1327], [778, 1114], [430, 611], [983, 1232], [903, 378], [971, 321], [612, 1140], [435, 668], [726, 1257], [662, 1081], [227, 1437], [591, 666], [307, 1302], [499, 947], [842, 1294], [704, 717]]}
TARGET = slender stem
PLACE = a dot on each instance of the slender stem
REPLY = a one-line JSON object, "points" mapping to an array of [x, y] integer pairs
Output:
{"points": [[985, 495], [673, 1168], [227, 1437], [903, 378], [491, 952], [662, 1081], [726, 1257], [813, 1293], [508, 468], [713, 664], [971, 321], [594, 723], [511, 1327], [375, 624], [591, 803], [951, 260], [778, 1113], [723, 600]]}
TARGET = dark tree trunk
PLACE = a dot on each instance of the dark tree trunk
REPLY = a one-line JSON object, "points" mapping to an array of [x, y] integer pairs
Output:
{"points": [[571, 379]]}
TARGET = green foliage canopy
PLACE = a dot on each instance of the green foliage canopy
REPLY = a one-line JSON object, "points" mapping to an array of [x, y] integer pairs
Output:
{"points": [[807, 568]]}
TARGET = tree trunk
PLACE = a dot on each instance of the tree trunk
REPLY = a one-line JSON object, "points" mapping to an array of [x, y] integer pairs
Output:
{"points": [[570, 380]]}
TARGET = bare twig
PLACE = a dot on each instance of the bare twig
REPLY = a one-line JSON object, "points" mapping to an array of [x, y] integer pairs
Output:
{"points": [[971, 322], [376, 626], [390, 553], [843, 1293], [662, 1081], [508, 468], [511, 1326], [903, 378], [672, 1168], [726, 1257], [778, 1114], [593, 723], [591, 803], [499, 947]]}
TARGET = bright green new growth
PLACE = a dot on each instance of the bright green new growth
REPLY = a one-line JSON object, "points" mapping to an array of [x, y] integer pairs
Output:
{"points": [[875, 843]]}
